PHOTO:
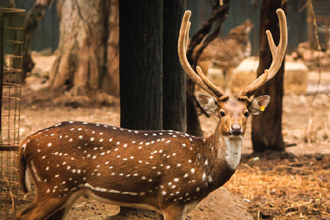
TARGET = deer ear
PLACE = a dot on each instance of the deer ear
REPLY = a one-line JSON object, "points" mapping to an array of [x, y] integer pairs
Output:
{"points": [[208, 103], [259, 104]]}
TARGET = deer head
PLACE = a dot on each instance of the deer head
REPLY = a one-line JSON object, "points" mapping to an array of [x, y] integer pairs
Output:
{"points": [[233, 113], [241, 32]]}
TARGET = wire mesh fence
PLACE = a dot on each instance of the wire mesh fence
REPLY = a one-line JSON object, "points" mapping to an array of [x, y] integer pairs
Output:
{"points": [[11, 43]]}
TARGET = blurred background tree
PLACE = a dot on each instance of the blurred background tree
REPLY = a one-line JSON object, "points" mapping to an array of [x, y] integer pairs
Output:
{"points": [[267, 127], [88, 54]]}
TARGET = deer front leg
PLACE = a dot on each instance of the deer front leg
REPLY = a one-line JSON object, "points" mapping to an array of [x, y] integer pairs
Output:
{"points": [[174, 212], [228, 75]]}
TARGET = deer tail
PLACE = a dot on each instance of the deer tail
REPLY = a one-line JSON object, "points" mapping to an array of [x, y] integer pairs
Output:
{"points": [[23, 176]]}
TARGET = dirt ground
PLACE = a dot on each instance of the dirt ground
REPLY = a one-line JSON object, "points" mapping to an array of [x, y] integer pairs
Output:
{"points": [[291, 185]]}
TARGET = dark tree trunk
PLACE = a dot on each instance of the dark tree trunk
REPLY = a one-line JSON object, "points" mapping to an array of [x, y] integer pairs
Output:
{"points": [[174, 94], [141, 63], [193, 125], [267, 127], [141, 69]]}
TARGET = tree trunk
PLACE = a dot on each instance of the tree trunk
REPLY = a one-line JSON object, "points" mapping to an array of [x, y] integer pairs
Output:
{"points": [[87, 56], [193, 124], [111, 80], [141, 63], [267, 127], [174, 81], [141, 70], [31, 22]]}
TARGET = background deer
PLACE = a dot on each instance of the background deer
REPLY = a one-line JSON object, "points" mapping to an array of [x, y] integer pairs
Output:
{"points": [[227, 53], [166, 171]]}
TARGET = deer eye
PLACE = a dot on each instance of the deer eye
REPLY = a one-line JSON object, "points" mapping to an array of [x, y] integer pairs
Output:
{"points": [[222, 113], [246, 113]]}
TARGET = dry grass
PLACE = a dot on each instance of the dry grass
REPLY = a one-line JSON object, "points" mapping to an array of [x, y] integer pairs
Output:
{"points": [[296, 188]]}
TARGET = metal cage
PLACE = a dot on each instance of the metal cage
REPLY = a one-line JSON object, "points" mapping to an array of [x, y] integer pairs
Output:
{"points": [[11, 44]]}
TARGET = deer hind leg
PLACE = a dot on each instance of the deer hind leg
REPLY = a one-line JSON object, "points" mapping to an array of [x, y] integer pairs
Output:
{"points": [[60, 214], [41, 209], [159, 216], [47, 208]]}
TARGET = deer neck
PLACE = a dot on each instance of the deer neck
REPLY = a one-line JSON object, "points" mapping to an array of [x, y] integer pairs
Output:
{"points": [[225, 156], [233, 150], [228, 147]]}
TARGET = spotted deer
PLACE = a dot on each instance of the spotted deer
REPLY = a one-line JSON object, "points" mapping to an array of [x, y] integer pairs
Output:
{"points": [[227, 53], [166, 171]]}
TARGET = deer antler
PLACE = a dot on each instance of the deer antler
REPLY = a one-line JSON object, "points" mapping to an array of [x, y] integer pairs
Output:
{"points": [[278, 54], [200, 79]]}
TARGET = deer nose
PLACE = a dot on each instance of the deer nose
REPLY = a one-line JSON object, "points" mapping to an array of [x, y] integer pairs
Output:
{"points": [[236, 129]]}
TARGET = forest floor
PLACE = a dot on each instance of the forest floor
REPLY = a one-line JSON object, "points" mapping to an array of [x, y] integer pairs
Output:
{"points": [[290, 185]]}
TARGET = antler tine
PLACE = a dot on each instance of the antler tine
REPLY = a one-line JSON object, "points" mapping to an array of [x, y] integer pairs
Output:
{"points": [[209, 84], [278, 54], [200, 79]]}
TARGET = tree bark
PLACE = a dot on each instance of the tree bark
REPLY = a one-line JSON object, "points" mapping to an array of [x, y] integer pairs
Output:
{"points": [[87, 56], [174, 81], [141, 63], [141, 69], [267, 127], [111, 80], [80, 55]]}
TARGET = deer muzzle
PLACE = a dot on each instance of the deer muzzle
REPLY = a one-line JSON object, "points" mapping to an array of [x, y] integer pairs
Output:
{"points": [[236, 129]]}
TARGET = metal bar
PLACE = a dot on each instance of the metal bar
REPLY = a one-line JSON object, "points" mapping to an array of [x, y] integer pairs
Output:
{"points": [[1, 68], [9, 148], [11, 12]]}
